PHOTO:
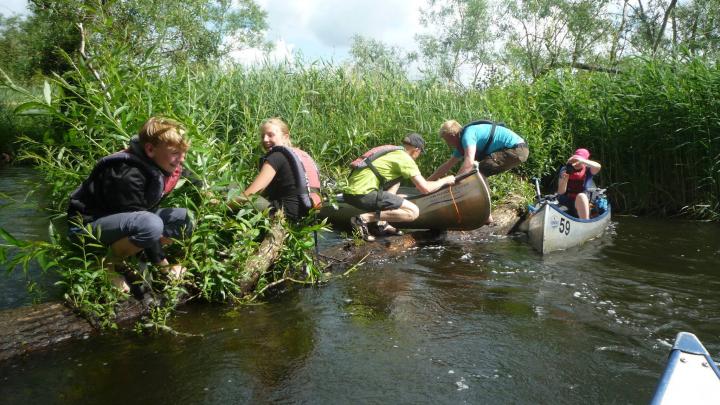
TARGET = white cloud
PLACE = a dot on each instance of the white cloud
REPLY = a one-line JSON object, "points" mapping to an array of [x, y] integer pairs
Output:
{"points": [[251, 56], [323, 29], [335, 23], [12, 7]]}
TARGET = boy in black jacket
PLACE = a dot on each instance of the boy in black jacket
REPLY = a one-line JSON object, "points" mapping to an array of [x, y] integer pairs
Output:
{"points": [[119, 200]]}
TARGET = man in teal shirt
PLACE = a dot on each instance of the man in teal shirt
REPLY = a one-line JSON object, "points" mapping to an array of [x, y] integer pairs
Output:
{"points": [[365, 191], [495, 153]]}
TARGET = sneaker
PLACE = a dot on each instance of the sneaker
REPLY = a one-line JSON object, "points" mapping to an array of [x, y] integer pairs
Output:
{"points": [[359, 225]]}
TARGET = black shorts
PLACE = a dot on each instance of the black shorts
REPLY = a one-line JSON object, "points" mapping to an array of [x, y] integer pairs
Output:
{"points": [[369, 202]]}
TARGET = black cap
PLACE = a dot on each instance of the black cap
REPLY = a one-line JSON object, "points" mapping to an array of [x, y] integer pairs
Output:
{"points": [[415, 140]]}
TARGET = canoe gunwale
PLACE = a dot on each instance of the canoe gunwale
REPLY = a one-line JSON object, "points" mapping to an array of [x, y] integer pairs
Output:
{"points": [[685, 343], [446, 186], [556, 207]]}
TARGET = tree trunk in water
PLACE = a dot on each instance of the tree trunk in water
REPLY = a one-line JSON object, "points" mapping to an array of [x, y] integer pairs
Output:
{"points": [[268, 251], [28, 329], [505, 219], [39, 326]]}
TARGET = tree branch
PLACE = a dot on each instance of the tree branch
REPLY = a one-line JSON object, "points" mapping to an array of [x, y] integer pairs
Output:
{"points": [[664, 24], [89, 63]]}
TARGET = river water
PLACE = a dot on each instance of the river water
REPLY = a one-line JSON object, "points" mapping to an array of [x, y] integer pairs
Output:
{"points": [[465, 321]]}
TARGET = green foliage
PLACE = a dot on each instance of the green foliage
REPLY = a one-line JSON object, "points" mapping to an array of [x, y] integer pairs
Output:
{"points": [[654, 129], [462, 37], [33, 46], [371, 56], [474, 42], [166, 32]]}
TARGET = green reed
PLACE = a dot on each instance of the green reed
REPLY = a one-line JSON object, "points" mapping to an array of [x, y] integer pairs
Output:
{"points": [[654, 128]]}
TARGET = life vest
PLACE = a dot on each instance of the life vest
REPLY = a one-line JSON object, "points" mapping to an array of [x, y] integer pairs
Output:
{"points": [[479, 154], [83, 199], [577, 182], [305, 173], [365, 161]]}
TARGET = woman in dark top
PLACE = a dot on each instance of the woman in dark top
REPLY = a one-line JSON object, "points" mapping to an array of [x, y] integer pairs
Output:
{"points": [[277, 177]]}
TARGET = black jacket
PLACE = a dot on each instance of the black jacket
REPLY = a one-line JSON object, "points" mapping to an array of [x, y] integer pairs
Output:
{"points": [[122, 182]]}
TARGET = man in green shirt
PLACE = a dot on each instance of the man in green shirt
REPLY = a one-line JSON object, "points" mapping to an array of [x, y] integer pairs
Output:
{"points": [[365, 190]]}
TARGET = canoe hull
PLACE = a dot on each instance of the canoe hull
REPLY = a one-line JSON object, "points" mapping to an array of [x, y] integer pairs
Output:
{"points": [[551, 229], [690, 377], [463, 206]]}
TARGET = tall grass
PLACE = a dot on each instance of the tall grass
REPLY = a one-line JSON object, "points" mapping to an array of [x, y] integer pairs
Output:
{"points": [[655, 128]]}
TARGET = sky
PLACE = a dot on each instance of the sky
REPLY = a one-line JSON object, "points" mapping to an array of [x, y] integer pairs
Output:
{"points": [[321, 29]]}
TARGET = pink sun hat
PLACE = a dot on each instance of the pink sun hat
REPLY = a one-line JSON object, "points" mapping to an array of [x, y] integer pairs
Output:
{"points": [[582, 152]]}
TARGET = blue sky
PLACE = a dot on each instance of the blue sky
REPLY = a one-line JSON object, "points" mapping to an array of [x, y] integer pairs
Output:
{"points": [[322, 28]]}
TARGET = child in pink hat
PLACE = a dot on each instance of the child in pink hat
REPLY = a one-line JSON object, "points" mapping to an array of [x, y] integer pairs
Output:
{"points": [[574, 182]]}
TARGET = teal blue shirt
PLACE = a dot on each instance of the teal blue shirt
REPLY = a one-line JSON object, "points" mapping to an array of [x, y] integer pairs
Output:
{"points": [[478, 135]]}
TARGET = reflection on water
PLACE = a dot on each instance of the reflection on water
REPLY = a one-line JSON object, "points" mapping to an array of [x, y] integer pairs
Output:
{"points": [[465, 321], [21, 202]]}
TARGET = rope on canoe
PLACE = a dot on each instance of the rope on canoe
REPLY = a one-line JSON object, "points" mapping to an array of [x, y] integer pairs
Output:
{"points": [[457, 211]]}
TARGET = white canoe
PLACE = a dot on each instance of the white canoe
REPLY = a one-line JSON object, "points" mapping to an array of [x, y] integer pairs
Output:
{"points": [[462, 206], [690, 377], [551, 228]]}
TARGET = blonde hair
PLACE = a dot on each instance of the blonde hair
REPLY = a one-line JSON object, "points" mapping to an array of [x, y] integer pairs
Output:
{"points": [[275, 121], [159, 130], [450, 127]]}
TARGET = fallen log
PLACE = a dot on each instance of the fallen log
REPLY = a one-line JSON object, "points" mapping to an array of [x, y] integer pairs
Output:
{"points": [[505, 219], [37, 327], [29, 329], [268, 251]]}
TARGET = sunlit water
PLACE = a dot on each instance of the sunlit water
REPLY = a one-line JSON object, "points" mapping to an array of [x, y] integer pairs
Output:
{"points": [[465, 321]]}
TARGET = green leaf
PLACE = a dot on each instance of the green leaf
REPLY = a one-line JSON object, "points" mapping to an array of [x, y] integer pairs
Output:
{"points": [[46, 93], [33, 108], [120, 110], [11, 239]]}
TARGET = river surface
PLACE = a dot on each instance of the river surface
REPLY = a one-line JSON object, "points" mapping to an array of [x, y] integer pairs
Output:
{"points": [[465, 321]]}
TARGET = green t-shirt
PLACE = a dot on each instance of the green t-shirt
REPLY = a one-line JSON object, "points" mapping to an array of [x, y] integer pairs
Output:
{"points": [[390, 165]]}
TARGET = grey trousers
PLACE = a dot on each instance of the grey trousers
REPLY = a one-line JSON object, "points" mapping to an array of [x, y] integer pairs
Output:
{"points": [[503, 160], [142, 228]]}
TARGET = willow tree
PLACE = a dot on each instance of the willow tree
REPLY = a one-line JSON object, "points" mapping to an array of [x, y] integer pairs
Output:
{"points": [[695, 27], [161, 32], [649, 20], [459, 45], [372, 55], [546, 34]]}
